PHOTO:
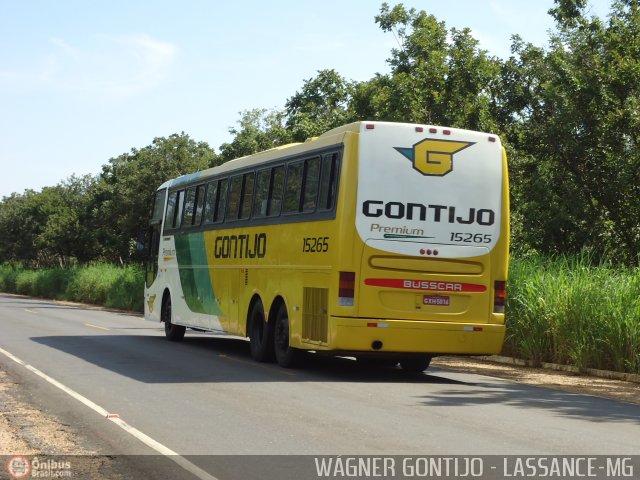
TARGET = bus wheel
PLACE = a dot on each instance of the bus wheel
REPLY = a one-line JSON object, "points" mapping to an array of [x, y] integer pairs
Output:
{"points": [[260, 335], [415, 364], [175, 333], [286, 355]]}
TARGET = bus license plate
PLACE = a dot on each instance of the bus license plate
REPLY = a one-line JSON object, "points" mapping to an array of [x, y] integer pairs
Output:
{"points": [[437, 300]]}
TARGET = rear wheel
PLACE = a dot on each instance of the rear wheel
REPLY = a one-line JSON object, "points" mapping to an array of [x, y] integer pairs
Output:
{"points": [[174, 333], [415, 364], [260, 335], [286, 355]]}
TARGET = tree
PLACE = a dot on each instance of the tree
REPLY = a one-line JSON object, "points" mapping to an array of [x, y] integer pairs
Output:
{"points": [[123, 198], [260, 129], [322, 104], [19, 228], [48, 227], [433, 79], [577, 182]]}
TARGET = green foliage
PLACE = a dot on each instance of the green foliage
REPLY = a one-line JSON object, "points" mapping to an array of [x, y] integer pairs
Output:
{"points": [[124, 195], [322, 104], [433, 79], [100, 284], [49, 226], [8, 277], [259, 130], [574, 130], [567, 310]]}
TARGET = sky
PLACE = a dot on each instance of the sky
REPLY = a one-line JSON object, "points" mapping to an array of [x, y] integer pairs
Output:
{"points": [[83, 82]]}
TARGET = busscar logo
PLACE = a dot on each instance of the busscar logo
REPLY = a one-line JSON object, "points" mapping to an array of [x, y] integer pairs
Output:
{"points": [[433, 157]]}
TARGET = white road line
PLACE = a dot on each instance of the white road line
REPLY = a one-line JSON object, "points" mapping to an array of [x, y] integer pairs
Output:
{"points": [[147, 440], [30, 311]]}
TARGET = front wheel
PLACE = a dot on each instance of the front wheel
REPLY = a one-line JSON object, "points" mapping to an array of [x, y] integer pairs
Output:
{"points": [[286, 355], [173, 332]]}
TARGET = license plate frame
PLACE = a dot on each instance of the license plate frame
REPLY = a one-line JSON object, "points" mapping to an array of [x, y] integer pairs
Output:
{"points": [[436, 300]]}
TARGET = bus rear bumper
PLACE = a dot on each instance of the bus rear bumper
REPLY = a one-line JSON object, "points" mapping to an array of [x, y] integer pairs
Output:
{"points": [[410, 336]]}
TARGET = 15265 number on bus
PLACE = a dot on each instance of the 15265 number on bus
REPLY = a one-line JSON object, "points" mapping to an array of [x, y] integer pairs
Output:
{"points": [[315, 244], [470, 237]]}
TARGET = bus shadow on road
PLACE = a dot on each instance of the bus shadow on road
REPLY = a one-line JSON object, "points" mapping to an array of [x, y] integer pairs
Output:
{"points": [[501, 392], [207, 359], [210, 358]]}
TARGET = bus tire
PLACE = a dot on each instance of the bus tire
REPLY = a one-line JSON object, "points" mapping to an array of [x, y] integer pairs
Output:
{"points": [[260, 334], [286, 355], [174, 333], [415, 364]]}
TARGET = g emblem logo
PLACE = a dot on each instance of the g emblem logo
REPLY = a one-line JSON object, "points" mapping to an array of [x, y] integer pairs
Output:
{"points": [[433, 157]]}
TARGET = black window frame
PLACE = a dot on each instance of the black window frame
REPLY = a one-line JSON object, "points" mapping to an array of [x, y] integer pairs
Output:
{"points": [[221, 187]]}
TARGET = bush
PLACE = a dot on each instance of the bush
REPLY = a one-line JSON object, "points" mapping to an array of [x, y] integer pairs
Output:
{"points": [[108, 285], [8, 277], [99, 284]]}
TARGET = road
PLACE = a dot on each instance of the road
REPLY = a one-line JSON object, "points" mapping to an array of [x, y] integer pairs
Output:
{"points": [[205, 396]]}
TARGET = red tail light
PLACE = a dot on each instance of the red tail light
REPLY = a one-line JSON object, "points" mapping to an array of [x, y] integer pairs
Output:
{"points": [[346, 289], [499, 296]]}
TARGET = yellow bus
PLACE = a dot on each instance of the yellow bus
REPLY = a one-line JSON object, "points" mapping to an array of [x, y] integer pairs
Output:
{"points": [[375, 240]]}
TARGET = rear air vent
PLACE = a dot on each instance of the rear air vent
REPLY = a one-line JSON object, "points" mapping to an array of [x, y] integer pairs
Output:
{"points": [[315, 320]]}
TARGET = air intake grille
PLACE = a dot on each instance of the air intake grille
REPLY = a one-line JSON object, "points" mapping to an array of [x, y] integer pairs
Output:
{"points": [[315, 321]]}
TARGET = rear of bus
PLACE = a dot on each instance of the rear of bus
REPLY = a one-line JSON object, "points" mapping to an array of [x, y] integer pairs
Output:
{"points": [[431, 244]]}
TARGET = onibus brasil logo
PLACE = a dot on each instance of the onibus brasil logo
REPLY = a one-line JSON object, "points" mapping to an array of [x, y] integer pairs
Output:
{"points": [[433, 157]]}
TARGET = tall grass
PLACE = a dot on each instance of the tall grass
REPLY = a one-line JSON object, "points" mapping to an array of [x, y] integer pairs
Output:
{"points": [[100, 284], [567, 310]]}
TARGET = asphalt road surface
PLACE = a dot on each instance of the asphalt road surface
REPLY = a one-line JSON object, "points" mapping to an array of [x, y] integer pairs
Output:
{"points": [[206, 396]]}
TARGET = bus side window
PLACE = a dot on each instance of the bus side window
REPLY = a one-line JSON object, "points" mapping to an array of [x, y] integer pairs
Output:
{"points": [[277, 187], [177, 218], [171, 211], [247, 195], [158, 206], [173, 217], [200, 191], [311, 175], [223, 187], [293, 189], [235, 197], [328, 181], [210, 202], [215, 201], [189, 207], [261, 198]]}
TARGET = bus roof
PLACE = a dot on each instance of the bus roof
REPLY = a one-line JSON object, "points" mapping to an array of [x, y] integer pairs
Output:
{"points": [[331, 137]]}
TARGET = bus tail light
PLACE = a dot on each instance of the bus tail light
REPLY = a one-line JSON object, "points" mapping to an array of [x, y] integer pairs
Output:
{"points": [[346, 289], [499, 296]]}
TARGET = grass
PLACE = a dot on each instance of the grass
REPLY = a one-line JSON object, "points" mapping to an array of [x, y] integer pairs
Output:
{"points": [[567, 310], [562, 310], [100, 284]]}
